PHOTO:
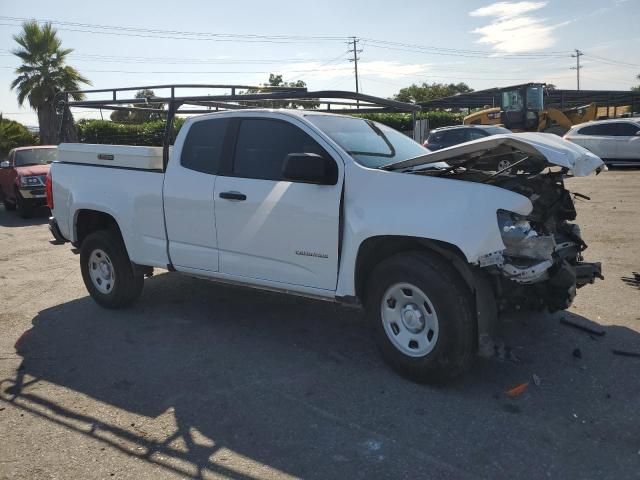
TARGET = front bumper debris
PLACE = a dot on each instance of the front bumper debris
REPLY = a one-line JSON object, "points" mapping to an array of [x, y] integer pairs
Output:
{"points": [[587, 272]]}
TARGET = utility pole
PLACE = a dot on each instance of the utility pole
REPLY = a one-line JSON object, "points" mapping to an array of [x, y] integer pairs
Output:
{"points": [[577, 68], [354, 43]]}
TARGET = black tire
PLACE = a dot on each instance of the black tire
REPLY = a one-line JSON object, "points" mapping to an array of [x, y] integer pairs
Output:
{"points": [[455, 345], [127, 285], [7, 204], [22, 206]]}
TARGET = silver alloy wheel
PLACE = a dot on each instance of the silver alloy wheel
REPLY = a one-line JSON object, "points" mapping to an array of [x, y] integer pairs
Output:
{"points": [[502, 164], [101, 271], [409, 319]]}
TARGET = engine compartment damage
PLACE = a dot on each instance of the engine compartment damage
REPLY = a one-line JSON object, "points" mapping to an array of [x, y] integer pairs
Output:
{"points": [[542, 264]]}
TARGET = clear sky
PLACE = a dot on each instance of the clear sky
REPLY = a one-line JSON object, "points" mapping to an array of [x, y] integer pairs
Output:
{"points": [[480, 42]]}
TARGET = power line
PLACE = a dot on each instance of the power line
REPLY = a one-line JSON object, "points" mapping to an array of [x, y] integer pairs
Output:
{"points": [[611, 61], [256, 38], [184, 61], [174, 34]]}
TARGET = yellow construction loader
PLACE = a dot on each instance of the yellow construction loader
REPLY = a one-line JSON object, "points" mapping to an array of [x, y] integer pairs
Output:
{"points": [[523, 110]]}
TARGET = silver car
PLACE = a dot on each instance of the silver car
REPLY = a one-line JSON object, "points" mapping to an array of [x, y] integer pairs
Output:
{"points": [[616, 141]]}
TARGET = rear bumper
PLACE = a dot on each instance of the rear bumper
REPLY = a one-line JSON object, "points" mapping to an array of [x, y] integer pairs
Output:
{"points": [[55, 231]]}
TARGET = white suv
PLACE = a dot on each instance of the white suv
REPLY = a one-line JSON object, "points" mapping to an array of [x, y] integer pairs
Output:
{"points": [[617, 141]]}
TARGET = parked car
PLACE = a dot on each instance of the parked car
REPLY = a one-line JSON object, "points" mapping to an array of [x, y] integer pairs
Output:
{"points": [[616, 141], [22, 178], [449, 136], [336, 208], [445, 137]]}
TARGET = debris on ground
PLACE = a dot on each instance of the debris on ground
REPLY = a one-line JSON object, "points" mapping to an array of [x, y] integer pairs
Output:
{"points": [[536, 380], [581, 326], [625, 353], [577, 353], [517, 390], [632, 281]]}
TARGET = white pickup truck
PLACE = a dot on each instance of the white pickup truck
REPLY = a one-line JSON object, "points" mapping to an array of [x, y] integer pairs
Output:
{"points": [[336, 208]]}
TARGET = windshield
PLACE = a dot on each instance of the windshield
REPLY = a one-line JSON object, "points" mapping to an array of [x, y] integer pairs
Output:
{"points": [[37, 156], [512, 101], [371, 144]]}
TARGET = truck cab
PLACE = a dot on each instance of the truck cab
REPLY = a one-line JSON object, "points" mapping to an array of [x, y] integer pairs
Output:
{"points": [[521, 107]]}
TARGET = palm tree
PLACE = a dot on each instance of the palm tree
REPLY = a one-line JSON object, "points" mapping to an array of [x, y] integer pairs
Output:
{"points": [[42, 75]]}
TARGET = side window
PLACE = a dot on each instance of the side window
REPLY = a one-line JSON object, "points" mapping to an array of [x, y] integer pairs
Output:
{"points": [[593, 130], [263, 144], [624, 129], [202, 149], [454, 137], [474, 134], [435, 137]]}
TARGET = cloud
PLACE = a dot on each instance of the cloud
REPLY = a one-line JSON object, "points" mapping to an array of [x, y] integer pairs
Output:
{"points": [[507, 9], [514, 30]]}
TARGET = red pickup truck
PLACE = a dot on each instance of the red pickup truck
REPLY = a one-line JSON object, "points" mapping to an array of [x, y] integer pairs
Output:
{"points": [[22, 178]]}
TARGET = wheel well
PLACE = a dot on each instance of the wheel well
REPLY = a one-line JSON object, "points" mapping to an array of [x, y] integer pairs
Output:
{"points": [[89, 221], [376, 249]]}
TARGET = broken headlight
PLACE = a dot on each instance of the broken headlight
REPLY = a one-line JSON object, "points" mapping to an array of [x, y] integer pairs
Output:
{"points": [[521, 240], [527, 255]]}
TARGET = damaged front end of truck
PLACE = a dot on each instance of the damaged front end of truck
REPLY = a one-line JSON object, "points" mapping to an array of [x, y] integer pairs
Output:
{"points": [[541, 265]]}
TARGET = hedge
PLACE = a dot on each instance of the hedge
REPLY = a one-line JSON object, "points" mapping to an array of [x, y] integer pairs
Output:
{"points": [[403, 121], [151, 133], [105, 131]]}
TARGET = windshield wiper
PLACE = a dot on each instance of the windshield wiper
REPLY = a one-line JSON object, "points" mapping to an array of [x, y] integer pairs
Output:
{"points": [[380, 133]]}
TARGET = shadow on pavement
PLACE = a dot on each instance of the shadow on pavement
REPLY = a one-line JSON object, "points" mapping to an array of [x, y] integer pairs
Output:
{"points": [[12, 219], [296, 386]]}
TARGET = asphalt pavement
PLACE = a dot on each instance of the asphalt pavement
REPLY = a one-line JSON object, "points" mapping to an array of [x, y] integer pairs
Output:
{"points": [[199, 380]]}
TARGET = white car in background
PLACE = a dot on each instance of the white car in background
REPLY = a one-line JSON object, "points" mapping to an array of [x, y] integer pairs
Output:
{"points": [[616, 141]]}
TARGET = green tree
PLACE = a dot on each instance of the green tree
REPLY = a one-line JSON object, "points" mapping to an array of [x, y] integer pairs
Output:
{"points": [[12, 135], [138, 116], [422, 93], [637, 87], [42, 75], [277, 81]]}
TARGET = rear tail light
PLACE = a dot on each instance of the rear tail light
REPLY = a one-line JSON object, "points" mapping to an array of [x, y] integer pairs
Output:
{"points": [[48, 188]]}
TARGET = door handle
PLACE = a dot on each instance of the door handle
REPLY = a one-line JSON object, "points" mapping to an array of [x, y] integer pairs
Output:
{"points": [[233, 196]]}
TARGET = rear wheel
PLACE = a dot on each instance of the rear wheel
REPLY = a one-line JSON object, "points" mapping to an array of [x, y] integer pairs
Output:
{"points": [[107, 271], [422, 317]]}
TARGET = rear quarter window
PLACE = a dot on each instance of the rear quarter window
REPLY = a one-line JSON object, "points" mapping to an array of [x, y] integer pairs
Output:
{"points": [[202, 149]]}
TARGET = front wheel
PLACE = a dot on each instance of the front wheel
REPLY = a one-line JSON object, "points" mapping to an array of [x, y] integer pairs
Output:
{"points": [[422, 317], [107, 271], [24, 208], [8, 205]]}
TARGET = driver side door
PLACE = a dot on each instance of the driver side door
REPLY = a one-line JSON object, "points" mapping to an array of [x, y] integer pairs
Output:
{"points": [[273, 229]]}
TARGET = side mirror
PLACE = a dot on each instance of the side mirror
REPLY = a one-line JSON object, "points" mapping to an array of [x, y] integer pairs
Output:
{"points": [[310, 168], [5, 164], [638, 133]]}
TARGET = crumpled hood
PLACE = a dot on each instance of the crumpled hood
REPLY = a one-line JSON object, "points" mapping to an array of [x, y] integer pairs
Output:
{"points": [[32, 170], [557, 151]]}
